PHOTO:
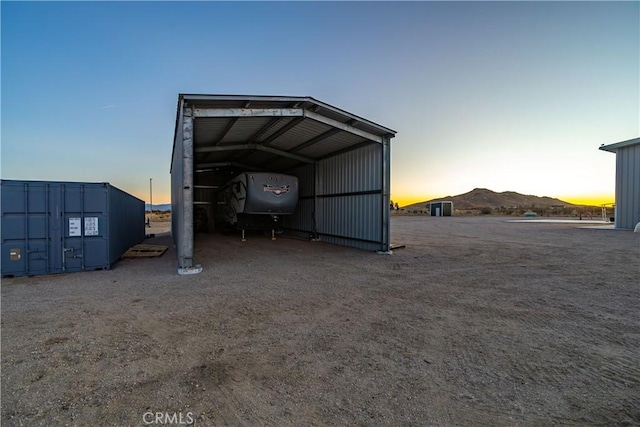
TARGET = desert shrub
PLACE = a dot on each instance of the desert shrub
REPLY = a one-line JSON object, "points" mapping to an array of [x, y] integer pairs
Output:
{"points": [[485, 211]]}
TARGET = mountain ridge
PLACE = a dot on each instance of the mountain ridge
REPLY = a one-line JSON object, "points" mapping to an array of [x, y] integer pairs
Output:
{"points": [[482, 198], [158, 207]]}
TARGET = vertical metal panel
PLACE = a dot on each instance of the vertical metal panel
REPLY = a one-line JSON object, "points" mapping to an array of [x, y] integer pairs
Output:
{"points": [[176, 187], [354, 171], [185, 251], [54, 227], [301, 222], [627, 186], [385, 149], [350, 206], [305, 180], [177, 203], [354, 217], [126, 222]]}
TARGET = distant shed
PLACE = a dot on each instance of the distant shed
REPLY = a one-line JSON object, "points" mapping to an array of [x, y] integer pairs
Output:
{"points": [[627, 210], [441, 208]]}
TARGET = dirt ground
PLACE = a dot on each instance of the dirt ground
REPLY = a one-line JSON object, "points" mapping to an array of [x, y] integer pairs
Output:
{"points": [[478, 321]]}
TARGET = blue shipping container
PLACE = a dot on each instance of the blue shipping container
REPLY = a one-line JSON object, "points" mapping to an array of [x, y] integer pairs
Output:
{"points": [[57, 227]]}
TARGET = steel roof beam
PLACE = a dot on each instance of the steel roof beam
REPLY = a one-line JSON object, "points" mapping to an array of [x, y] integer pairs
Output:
{"points": [[210, 149], [258, 147], [310, 142], [342, 126], [283, 153], [315, 140], [193, 99], [265, 128], [248, 112], [225, 164], [284, 129], [225, 131]]}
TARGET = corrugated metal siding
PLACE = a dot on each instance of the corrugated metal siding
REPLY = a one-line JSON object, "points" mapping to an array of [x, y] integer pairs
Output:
{"points": [[628, 187], [357, 170], [342, 217], [351, 243], [126, 222], [54, 227], [301, 222], [306, 180], [177, 217], [357, 217], [351, 219]]}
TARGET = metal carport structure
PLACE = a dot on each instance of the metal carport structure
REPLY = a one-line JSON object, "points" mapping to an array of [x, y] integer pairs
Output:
{"points": [[341, 160]]}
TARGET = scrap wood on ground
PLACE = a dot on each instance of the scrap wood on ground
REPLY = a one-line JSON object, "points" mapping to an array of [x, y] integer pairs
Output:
{"points": [[145, 251]]}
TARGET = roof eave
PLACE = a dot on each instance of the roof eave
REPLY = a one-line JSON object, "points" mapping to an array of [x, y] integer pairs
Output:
{"points": [[613, 148], [299, 99]]}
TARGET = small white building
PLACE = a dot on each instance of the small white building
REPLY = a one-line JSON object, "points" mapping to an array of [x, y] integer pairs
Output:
{"points": [[627, 210]]}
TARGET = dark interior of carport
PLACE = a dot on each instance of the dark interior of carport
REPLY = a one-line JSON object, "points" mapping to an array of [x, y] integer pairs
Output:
{"points": [[335, 154]]}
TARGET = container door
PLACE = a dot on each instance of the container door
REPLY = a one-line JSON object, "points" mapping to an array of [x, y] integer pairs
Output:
{"points": [[24, 228], [84, 227], [72, 246], [55, 229]]}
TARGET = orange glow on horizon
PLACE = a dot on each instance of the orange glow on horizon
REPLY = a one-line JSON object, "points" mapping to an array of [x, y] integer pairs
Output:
{"points": [[405, 200], [593, 200], [589, 200], [409, 200]]}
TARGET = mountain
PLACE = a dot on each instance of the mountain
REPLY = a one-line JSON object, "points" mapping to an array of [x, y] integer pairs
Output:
{"points": [[164, 207], [481, 198]]}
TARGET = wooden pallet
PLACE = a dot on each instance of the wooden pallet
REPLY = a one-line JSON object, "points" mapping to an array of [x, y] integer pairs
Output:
{"points": [[145, 251]]}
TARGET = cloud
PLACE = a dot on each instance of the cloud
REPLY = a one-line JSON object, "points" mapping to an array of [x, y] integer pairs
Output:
{"points": [[104, 107]]}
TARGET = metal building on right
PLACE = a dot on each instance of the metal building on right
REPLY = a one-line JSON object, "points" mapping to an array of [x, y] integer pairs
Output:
{"points": [[627, 210]]}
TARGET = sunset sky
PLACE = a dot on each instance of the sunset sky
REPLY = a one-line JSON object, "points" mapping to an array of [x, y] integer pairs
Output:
{"points": [[510, 96]]}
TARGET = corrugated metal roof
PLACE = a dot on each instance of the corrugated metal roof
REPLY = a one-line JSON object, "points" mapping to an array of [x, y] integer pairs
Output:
{"points": [[280, 132], [207, 131], [305, 131], [244, 129], [332, 144], [274, 126]]}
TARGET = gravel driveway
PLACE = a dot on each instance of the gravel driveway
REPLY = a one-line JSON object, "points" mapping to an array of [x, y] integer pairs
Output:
{"points": [[478, 321]]}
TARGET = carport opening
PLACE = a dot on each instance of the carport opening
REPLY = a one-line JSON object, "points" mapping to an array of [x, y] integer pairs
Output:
{"points": [[342, 163]]}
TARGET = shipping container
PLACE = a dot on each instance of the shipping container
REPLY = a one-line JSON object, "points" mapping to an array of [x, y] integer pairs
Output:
{"points": [[58, 227]]}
